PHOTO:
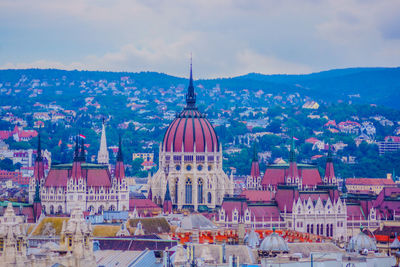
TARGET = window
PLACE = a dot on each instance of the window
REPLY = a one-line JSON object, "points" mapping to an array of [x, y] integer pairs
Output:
{"points": [[321, 229], [178, 167], [308, 228], [209, 197], [176, 191], [209, 167], [70, 241], [200, 191], [188, 193], [327, 230], [317, 229], [199, 167], [19, 245], [188, 167], [1, 244]]}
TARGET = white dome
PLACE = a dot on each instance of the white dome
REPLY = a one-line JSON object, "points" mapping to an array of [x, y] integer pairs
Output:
{"points": [[361, 242], [274, 243], [252, 239]]}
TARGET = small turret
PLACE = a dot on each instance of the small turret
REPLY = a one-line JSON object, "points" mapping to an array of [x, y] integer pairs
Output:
{"points": [[293, 174], [82, 155], [167, 206], [119, 167], [76, 165], [329, 176], [255, 167]]}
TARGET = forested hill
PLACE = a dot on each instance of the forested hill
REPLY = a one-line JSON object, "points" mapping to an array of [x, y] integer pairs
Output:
{"points": [[360, 85]]}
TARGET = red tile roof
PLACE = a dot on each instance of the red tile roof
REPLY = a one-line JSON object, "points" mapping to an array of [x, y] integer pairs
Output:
{"points": [[266, 213], [258, 195], [369, 181], [255, 169], [143, 206], [392, 139], [354, 212], [57, 178], [98, 177], [4, 135], [312, 140], [230, 205], [276, 175]]}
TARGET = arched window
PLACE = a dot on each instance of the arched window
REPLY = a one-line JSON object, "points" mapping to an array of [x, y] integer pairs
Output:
{"points": [[176, 191], [321, 229], [51, 209], [200, 191], [59, 209], [91, 208], [188, 193], [327, 230], [331, 229], [101, 208], [111, 208], [317, 229], [308, 228], [312, 228], [209, 197]]}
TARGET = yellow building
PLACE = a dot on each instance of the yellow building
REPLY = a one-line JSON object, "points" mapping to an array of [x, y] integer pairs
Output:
{"points": [[144, 156], [311, 105], [369, 184]]}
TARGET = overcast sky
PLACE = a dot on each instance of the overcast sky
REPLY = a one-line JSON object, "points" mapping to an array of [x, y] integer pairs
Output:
{"points": [[226, 37]]}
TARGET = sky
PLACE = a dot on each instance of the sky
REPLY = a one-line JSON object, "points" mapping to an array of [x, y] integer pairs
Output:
{"points": [[225, 37]]}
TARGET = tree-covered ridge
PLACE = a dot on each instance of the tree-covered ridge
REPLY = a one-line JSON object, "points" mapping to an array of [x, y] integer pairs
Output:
{"points": [[140, 106]]}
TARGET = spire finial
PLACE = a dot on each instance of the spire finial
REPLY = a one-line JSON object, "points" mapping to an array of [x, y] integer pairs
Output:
{"points": [[82, 155], [119, 155], [37, 192], [76, 154], [292, 153], [190, 96], [39, 149], [329, 157], [167, 193], [255, 158]]}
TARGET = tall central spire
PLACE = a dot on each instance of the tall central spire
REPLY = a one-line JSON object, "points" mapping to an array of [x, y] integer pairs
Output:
{"points": [[102, 155], [39, 150], [191, 96], [292, 153]]}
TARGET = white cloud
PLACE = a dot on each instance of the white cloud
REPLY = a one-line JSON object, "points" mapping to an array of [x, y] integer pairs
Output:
{"points": [[227, 37]]}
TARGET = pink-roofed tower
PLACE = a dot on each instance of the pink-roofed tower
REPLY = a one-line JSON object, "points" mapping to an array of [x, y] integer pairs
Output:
{"points": [[119, 166], [38, 172], [292, 175], [254, 180], [329, 177], [167, 205], [76, 172]]}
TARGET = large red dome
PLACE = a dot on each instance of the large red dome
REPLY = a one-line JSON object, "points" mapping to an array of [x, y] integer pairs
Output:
{"points": [[190, 127]]}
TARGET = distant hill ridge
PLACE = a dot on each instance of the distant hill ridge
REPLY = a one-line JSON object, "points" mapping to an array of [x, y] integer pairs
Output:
{"points": [[374, 85]]}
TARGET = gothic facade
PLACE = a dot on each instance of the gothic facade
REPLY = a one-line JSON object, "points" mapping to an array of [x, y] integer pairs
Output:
{"points": [[190, 162], [90, 187], [75, 249]]}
